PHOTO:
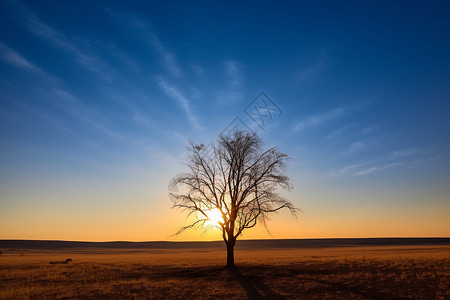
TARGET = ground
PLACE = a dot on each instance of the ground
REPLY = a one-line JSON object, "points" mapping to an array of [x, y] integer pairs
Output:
{"points": [[380, 272]]}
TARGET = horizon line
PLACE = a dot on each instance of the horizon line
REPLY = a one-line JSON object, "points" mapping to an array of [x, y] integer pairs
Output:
{"points": [[212, 241]]}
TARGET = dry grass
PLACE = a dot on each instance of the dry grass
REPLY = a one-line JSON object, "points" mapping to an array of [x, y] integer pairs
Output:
{"points": [[327, 273]]}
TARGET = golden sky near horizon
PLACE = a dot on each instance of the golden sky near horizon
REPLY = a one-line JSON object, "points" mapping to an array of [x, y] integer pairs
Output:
{"points": [[140, 218]]}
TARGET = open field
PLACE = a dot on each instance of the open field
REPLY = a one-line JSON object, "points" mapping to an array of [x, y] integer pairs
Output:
{"points": [[372, 272]]}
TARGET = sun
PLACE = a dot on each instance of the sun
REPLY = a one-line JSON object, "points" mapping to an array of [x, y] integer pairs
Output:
{"points": [[214, 217]]}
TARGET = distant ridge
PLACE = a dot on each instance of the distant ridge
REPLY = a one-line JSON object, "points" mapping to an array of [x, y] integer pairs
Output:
{"points": [[241, 244]]}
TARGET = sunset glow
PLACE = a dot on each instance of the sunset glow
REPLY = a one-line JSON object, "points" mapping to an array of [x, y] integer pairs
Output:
{"points": [[214, 217]]}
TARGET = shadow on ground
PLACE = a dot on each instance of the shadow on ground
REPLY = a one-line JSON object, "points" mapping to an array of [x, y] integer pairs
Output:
{"points": [[285, 282]]}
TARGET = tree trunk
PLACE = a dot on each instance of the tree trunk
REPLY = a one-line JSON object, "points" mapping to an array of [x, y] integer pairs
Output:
{"points": [[230, 255]]}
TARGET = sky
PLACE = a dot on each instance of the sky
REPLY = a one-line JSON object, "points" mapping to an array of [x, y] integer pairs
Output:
{"points": [[99, 100]]}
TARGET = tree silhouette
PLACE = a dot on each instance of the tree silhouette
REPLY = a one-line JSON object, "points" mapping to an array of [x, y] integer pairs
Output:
{"points": [[234, 187]]}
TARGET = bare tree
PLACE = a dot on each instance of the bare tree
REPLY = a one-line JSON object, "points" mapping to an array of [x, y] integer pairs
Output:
{"points": [[233, 188]]}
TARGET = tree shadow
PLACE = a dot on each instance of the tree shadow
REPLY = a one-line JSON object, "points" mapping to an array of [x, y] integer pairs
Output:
{"points": [[254, 286], [254, 279], [366, 293]]}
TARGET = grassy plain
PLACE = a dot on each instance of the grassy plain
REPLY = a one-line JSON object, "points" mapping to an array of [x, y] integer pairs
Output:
{"points": [[380, 272]]}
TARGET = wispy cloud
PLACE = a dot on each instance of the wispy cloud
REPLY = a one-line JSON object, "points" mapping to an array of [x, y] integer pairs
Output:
{"points": [[314, 69], [408, 158], [371, 170], [319, 119], [13, 58], [404, 152], [351, 130], [420, 162], [234, 73], [141, 119], [126, 60], [338, 132], [199, 70], [362, 168], [60, 97], [74, 107], [175, 94], [233, 92], [168, 58], [412, 157], [370, 129], [366, 171], [59, 40], [355, 147], [365, 143], [142, 28], [344, 170]]}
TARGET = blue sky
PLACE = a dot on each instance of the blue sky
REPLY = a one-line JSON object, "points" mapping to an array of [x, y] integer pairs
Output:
{"points": [[98, 101]]}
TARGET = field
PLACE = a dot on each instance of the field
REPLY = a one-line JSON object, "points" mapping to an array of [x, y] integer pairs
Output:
{"points": [[359, 272]]}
